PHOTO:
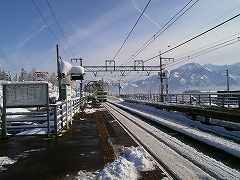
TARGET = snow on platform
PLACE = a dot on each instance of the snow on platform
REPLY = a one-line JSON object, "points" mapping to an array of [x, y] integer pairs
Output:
{"points": [[127, 166], [4, 161]]}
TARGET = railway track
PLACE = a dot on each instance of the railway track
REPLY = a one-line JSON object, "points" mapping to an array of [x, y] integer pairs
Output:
{"points": [[176, 159]]}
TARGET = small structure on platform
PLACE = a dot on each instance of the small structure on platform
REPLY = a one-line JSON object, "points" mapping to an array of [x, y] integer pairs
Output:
{"points": [[52, 119], [23, 95]]}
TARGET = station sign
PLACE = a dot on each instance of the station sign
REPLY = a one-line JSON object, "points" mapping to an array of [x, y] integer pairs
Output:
{"points": [[40, 76], [25, 94]]}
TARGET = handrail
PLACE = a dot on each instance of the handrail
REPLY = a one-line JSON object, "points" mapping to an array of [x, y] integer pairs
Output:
{"points": [[60, 117]]}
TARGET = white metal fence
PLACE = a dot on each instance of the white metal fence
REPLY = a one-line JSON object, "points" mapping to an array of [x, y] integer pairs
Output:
{"points": [[42, 122], [230, 100]]}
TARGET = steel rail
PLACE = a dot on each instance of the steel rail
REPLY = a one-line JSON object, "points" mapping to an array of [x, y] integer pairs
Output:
{"points": [[196, 163]]}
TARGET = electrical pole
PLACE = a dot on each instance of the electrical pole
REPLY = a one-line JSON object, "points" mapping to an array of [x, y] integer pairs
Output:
{"points": [[227, 75], [167, 80], [119, 88], [59, 75], [161, 78]]}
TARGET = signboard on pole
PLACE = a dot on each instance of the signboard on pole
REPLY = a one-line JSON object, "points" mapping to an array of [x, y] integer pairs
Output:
{"points": [[25, 94], [40, 76]]}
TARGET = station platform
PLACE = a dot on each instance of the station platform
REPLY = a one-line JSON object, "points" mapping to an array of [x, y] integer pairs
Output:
{"points": [[94, 140]]}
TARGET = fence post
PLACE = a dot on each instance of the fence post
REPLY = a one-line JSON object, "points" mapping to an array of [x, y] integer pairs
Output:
{"points": [[48, 120], [3, 118], [223, 100], [238, 99], [190, 100], [55, 119], [67, 111], [210, 100], [61, 112], [3, 124], [199, 97], [71, 110]]}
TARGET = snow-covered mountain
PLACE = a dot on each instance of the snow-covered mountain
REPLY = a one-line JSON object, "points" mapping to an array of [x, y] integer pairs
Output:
{"points": [[191, 76]]}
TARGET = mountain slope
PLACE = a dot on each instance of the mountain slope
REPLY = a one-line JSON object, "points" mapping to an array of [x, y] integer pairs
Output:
{"points": [[191, 76]]}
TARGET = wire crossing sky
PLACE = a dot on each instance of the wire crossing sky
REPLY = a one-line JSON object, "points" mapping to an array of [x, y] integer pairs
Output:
{"points": [[95, 30]]}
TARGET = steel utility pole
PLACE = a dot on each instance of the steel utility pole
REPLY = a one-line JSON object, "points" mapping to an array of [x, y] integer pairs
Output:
{"points": [[59, 75], [227, 75], [167, 81], [119, 88], [161, 78]]}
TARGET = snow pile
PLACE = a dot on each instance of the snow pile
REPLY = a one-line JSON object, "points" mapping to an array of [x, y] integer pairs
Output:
{"points": [[131, 160], [119, 169], [17, 110], [65, 67], [5, 161], [126, 166], [139, 157], [89, 111], [84, 175]]}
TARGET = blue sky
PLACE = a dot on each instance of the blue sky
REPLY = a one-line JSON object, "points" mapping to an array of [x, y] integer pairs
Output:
{"points": [[95, 29]]}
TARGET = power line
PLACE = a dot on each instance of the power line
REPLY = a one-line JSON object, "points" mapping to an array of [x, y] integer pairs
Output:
{"points": [[125, 40], [53, 14], [44, 20], [195, 37], [168, 24], [206, 51], [55, 18], [234, 36]]}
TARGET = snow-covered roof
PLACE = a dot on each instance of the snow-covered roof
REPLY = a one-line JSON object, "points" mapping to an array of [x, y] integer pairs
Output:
{"points": [[65, 67], [79, 70]]}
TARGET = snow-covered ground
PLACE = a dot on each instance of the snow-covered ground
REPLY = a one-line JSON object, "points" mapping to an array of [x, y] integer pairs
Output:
{"points": [[127, 166], [180, 158], [182, 119], [210, 139]]}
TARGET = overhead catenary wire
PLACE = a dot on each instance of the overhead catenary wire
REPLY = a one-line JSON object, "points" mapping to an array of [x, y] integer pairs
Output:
{"points": [[53, 14], [195, 37], [132, 29], [167, 25], [205, 51], [55, 18], [45, 20]]}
